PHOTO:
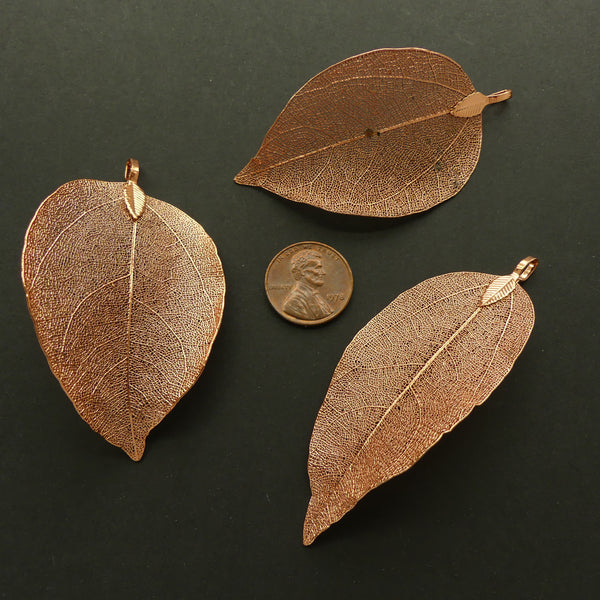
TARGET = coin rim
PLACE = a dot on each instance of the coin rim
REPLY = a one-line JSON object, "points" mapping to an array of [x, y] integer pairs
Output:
{"points": [[326, 319]]}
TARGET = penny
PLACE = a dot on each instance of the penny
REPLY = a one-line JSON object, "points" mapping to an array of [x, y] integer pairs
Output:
{"points": [[309, 283]]}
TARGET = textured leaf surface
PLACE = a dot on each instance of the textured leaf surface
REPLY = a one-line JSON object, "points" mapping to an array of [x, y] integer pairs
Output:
{"points": [[126, 310], [410, 375], [373, 135]]}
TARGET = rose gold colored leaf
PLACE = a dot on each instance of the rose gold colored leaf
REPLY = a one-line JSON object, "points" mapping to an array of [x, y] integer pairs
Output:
{"points": [[375, 135], [410, 375], [126, 303]]}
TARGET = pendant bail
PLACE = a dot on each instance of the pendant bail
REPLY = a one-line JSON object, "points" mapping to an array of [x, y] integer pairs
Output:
{"points": [[500, 96], [132, 170], [525, 268]]}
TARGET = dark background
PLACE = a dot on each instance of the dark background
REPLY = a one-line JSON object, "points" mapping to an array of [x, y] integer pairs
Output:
{"points": [[504, 507]]}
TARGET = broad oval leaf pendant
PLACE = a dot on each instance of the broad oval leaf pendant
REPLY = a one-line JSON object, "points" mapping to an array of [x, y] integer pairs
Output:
{"points": [[386, 133], [126, 293], [410, 375]]}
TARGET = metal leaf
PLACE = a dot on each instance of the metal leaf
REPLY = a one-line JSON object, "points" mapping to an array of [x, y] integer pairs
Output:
{"points": [[126, 293], [386, 134], [410, 375], [498, 289]]}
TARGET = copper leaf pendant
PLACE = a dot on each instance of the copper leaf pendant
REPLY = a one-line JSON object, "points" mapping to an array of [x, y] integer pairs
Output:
{"points": [[126, 294], [410, 375], [386, 133]]}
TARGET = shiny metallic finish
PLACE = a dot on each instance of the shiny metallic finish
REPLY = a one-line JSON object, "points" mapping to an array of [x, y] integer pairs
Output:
{"points": [[410, 375], [505, 284], [126, 293], [387, 133], [309, 283], [474, 103]]}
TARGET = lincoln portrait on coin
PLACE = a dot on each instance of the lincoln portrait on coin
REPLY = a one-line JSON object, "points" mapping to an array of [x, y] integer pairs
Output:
{"points": [[304, 300]]}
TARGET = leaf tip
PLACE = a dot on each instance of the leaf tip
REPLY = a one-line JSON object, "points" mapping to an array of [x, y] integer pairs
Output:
{"points": [[253, 173], [136, 451], [309, 535], [315, 522], [244, 177]]}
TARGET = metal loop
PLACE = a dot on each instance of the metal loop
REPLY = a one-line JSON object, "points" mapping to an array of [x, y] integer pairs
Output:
{"points": [[132, 170], [525, 268], [499, 96]]}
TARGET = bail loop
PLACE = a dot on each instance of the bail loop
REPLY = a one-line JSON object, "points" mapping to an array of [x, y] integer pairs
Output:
{"points": [[133, 195], [499, 96], [132, 170], [525, 268]]}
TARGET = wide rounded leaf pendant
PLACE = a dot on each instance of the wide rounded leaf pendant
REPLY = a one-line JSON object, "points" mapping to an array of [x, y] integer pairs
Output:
{"points": [[409, 376], [386, 133], [126, 293]]}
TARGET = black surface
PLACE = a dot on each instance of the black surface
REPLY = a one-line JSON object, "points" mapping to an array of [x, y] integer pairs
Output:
{"points": [[504, 507]]}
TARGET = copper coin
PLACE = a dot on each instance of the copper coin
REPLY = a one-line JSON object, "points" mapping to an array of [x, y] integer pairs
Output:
{"points": [[309, 283]]}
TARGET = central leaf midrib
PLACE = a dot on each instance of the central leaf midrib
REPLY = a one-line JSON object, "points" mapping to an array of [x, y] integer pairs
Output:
{"points": [[128, 337], [353, 139], [415, 378]]}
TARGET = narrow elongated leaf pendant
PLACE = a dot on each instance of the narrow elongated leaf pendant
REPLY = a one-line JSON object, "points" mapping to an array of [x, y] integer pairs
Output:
{"points": [[126, 294], [410, 375], [386, 133]]}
